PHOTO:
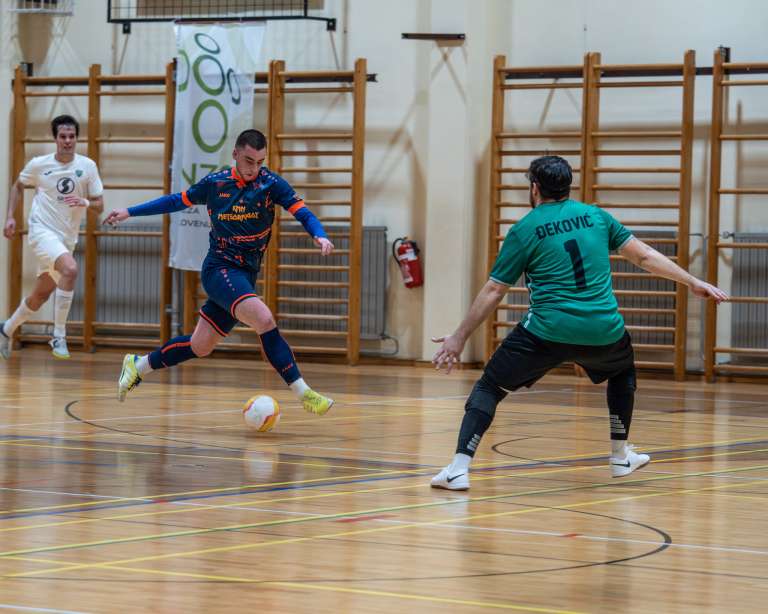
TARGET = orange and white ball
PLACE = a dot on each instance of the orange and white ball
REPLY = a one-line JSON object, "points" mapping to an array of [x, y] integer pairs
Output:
{"points": [[261, 413]]}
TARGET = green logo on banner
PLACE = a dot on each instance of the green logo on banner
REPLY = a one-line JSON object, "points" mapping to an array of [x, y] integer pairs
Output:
{"points": [[214, 104], [221, 80]]}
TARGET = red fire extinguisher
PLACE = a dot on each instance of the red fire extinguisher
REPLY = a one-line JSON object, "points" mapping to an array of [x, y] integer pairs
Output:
{"points": [[406, 253]]}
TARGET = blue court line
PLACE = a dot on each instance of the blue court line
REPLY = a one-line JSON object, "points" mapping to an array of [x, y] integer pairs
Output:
{"points": [[159, 500], [246, 490], [57, 462], [243, 454]]}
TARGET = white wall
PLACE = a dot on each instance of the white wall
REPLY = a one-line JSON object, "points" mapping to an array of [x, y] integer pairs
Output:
{"points": [[428, 117]]}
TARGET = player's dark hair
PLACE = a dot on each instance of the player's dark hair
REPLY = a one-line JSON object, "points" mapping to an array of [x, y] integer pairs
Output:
{"points": [[553, 175], [252, 138], [64, 120]]}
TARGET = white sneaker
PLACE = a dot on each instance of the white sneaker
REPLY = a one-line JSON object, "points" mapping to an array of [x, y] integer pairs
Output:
{"points": [[5, 343], [460, 481], [631, 462], [59, 348]]}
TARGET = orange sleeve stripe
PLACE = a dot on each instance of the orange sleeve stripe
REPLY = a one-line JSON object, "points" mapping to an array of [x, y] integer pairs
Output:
{"points": [[185, 199], [294, 208]]}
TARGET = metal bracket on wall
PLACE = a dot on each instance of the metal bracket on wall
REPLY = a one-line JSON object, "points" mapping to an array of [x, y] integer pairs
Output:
{"points": [[417, 36]]}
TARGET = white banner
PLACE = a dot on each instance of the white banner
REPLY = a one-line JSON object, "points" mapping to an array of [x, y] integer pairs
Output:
{"points": [[214, 103]]}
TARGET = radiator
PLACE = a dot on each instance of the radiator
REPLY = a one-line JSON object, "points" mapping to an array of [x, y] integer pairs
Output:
{"points": [[373, 281], [749, 321], [129, 280]]}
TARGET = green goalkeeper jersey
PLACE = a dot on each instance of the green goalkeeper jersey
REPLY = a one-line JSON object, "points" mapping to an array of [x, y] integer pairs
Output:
{"points": [[563, 249]]}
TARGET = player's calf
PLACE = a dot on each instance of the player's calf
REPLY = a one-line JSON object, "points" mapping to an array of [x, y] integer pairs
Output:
{"points": [[479, 411], [5, 343]]}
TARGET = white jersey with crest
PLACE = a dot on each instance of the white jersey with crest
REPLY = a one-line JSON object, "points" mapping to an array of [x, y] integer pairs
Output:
{"points": [[53, 181]]}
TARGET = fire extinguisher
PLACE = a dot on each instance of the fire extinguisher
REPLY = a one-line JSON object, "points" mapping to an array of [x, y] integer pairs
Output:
{"points": [[406, 253]]}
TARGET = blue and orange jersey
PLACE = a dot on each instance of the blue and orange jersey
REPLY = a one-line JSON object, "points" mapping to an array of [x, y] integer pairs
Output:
{"points": [[241, 212]]}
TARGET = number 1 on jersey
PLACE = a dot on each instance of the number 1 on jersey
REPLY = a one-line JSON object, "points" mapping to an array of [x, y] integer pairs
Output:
{"points": [[572, 247]]}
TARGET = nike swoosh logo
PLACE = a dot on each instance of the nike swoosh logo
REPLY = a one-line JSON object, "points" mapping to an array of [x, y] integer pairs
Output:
{"points": [[449, 480], [621, 464], [48, 173]]}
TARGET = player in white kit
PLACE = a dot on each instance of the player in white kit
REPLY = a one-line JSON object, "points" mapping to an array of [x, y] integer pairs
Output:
{"points": [[65, 184]]}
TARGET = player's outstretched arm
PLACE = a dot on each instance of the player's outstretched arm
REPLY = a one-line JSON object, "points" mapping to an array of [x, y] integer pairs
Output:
{"points": [[648, 259], [116, 216], [486, 301], [165, 204]]}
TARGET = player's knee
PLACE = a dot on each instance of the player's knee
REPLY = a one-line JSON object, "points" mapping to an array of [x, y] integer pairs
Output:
{"points": [[202, 347], [68, 270], [485, 396], [623, 383], [263, 322]]}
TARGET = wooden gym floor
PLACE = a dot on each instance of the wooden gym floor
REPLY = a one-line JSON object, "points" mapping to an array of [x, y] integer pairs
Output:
{"points": [[167, 504]]}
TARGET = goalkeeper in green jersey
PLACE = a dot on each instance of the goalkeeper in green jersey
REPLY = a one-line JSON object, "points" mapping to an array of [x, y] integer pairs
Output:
{"points": [[563, 248]]}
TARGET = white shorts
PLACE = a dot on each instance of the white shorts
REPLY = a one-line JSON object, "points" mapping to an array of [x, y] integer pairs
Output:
{"points": [[48, 247]]}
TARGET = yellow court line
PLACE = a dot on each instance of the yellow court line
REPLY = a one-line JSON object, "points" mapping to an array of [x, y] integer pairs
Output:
{"points": [[377, 473], [83, 521], [245, 504], [239, 459], [38, 560], [289, 521], [749, 497], [293, 540], [373, 473], [249, 503], [308, 586], [358, 591]]}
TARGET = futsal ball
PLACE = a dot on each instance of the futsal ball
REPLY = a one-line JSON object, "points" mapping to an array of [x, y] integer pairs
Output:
{"points": [[261, 413]]}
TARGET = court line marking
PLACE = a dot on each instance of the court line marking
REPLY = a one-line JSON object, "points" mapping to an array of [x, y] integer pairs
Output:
{"points": [[117, 502], [8, 606], [678, 398], [306, 586], [379, 593], [25, 443], [361, 591], [121, 564], [602, 538], [236, 410], [55, 492], [354, 403], [245, 504], [750, 497], [411, 506], [318, 481]]}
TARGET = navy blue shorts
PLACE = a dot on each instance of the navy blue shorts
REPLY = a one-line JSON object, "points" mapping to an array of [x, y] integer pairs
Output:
{"points": [[227, 286]]}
